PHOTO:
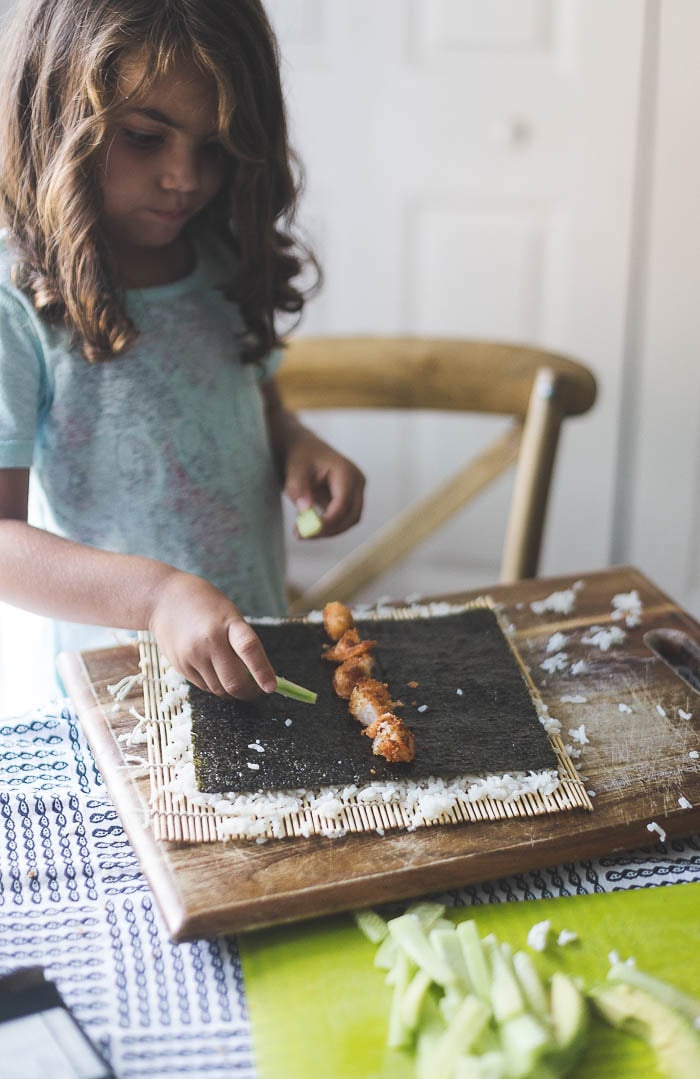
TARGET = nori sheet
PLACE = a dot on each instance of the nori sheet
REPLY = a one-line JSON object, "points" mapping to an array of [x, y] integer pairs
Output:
{"points": [[492, 727]]}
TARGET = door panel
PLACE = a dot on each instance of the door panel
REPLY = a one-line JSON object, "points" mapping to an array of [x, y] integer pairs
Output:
{"points": [[471, 171]]}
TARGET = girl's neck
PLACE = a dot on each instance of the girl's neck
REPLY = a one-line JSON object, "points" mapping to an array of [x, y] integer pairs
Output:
{"points": [[146, 267]]}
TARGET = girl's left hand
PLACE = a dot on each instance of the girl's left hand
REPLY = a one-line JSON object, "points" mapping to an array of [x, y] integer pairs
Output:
{"points": [[317, 475]]}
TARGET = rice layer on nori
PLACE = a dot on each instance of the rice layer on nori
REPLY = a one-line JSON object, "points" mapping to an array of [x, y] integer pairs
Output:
{"points": [[490, 728]]}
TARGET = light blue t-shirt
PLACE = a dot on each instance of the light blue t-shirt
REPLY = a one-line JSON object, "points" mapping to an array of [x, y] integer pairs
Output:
{"points": [[161, 451]]}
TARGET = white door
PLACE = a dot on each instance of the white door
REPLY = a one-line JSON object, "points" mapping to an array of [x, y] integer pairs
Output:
{"points": [[470, 171]]}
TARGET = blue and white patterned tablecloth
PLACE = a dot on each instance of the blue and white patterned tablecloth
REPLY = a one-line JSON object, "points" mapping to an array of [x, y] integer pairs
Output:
{"points": [[73, 899]]}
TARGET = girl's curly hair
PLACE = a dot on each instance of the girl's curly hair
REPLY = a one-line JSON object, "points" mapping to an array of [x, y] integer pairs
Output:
{"points": [[60, 93]]}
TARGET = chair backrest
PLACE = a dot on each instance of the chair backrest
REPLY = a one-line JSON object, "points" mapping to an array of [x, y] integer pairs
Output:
{"points": [[537, 388]]}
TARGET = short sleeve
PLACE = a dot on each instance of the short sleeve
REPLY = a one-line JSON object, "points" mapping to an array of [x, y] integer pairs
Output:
{"points": [[270, 363], [21, 384]]}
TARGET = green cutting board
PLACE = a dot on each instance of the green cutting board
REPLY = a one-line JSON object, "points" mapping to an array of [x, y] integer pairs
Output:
{"points": [[318, 1006]]}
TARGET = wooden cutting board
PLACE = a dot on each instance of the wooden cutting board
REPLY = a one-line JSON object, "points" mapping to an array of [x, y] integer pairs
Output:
{"points": [[637, 763]]}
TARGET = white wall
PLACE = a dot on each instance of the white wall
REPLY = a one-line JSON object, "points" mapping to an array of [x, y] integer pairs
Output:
{"points": [[659, 468]]}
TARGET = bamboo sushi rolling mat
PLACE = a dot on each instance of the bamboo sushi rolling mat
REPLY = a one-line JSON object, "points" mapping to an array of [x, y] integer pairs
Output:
{"points": [[182, 817]]}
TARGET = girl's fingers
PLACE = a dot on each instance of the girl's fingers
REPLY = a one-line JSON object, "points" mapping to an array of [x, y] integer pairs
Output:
{"points": [[250, 653], [208, 673], [193, 675], [342, 512]]}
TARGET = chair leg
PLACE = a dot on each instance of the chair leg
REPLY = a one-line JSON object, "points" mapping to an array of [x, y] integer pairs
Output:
{"points": [[523, 539]]}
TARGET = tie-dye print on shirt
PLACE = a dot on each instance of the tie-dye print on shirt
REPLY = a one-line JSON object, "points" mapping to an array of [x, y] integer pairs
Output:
{"points": [[162, 451]]}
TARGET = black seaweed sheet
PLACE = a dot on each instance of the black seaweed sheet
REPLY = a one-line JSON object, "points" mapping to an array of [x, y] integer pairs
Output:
{"points": [[491, 727]]}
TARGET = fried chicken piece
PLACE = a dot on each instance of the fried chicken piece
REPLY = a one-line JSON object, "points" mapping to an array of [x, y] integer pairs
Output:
{"points": [[391, 738], [337, 619], [369, 700], [351, 673], [348, 647]]}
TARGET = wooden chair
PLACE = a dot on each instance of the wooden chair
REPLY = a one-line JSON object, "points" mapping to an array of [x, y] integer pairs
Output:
{"points": [[537, 388]]}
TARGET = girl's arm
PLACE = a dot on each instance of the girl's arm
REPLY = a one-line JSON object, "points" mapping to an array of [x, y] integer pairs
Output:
{"points": [[201, 632], [312, 472]]}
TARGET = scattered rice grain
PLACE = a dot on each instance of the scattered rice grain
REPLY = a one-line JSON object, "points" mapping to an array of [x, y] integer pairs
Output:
{"points": [[537, 936]]}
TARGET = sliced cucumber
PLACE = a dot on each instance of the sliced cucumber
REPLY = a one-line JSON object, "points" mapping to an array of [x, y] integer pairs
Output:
{"points": [[409, 934], [400, 1034], [427, 913], [531, 984], [491, 1065], [309, 522], [525, 1042], [385, 955], [507, 999], [411, 1005], [372, 925], [475, 959], [463, 1030], [447, 944]]}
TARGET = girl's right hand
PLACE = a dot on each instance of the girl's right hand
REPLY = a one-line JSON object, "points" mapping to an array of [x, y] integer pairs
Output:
{"points": [[207, 640]]}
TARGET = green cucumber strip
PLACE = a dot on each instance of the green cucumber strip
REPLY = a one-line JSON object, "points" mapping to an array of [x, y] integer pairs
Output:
{"points": [[668, 994], [309, 522], [475, 959], [451, 1001], [525, 1041], [409, 934], [531, 984], [491, 1065], [447, 945], [411, 1004], [400, 1035], [385, 955], [463, 1031], [431, 1030], [506, 998], [427, 913], [371, 924], [297, 693]]}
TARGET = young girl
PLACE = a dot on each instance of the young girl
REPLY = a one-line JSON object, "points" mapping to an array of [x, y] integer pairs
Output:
{"points": [[147, 192]]}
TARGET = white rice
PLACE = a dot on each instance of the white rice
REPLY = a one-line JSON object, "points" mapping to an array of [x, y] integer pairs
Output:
{"points": [[694, 754], [604, 639], [573, 699], [538, 934], [661, 711], [560, 602], [556, 642], [558, 662], [685, 715], [654, 827], [624, 707], [579, 667], [566, 936], [627, 606], [578, 734], [684, 803]]}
